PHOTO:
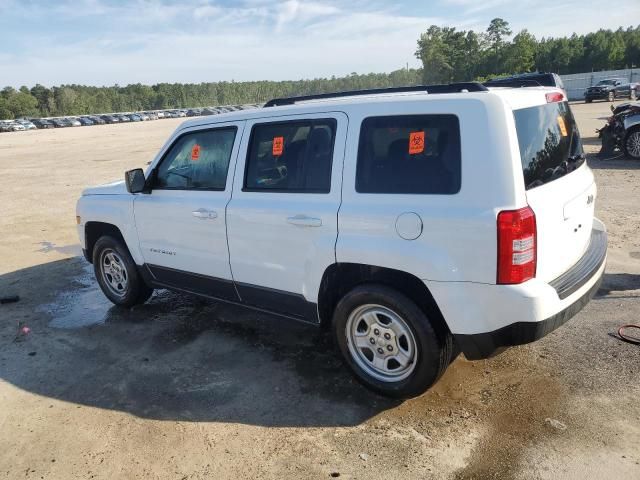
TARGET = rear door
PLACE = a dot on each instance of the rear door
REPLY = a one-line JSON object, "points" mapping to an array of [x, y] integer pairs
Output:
{"points": [[282, 219], [559, 186]]}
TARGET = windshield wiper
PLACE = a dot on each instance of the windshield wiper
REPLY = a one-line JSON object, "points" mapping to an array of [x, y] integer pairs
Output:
{"points": [[576, 158]]}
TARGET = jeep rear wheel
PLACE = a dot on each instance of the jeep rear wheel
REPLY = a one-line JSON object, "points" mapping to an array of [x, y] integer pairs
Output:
{"points": [[117, 273], [388, 342]]}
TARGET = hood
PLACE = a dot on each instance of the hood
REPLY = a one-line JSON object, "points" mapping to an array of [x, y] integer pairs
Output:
{"points": [[115, 188]]}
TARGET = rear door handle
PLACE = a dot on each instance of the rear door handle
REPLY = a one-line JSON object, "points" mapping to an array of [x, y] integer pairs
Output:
{"points": [[305, 221], [204, 214]]}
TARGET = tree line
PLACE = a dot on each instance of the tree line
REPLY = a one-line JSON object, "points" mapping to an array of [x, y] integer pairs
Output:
{"points": [[450, 55], [447, 55]]}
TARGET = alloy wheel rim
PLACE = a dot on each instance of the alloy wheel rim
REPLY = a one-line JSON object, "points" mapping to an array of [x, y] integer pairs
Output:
{"points": [[381, 343], [633, 144], [114, 272]]}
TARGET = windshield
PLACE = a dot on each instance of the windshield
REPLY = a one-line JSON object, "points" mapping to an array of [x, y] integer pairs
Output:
{"points": [[550, 145], [606, 82]]}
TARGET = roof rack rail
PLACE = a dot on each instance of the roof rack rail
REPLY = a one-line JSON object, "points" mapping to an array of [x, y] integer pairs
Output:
{"points": [[446, 88], [512, 82]]}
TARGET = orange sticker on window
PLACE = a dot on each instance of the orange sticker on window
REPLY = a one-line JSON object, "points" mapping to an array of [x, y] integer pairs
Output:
{"points": [[195, 152], [563, 126], [278, 146], [416, 142]]}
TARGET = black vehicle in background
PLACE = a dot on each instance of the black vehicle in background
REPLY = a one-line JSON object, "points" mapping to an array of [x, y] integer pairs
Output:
{"points": [[110, 119], [611, 88], [85, 121], [96, 120], [41, 123], [60, 123], [622, 131], [534, 79]]}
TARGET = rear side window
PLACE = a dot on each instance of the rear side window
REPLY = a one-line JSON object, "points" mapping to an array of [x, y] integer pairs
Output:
{"points": [[409, 154], [197, 161], [550, 145], [291, 156]]}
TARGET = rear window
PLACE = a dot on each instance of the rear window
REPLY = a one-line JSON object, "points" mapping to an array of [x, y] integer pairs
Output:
{"points": [[550, 145], [409, 154]]}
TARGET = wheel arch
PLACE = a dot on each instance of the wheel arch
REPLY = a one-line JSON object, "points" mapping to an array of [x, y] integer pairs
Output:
{"points": [[94, 230], [340, 278]]}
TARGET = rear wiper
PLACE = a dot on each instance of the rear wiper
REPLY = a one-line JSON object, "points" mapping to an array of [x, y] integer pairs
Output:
{"points": [[576, 158]]}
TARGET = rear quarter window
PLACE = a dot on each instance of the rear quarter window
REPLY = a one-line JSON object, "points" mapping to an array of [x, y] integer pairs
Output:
{"points": [[550, 144], [409, 154]]}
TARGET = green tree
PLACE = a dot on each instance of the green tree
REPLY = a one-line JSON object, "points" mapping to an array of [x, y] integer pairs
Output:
{"points": [[520, 55]]}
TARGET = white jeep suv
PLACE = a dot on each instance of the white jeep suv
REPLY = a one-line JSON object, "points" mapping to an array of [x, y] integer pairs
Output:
{"points": [[414, 222]]}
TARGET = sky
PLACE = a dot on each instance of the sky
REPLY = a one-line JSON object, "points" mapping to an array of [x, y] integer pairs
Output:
{"points": [[107, 42]]}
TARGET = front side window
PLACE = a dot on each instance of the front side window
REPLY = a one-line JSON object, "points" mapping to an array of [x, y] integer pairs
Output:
{"points": [[409, 154], [291, 156], [197, 161]]}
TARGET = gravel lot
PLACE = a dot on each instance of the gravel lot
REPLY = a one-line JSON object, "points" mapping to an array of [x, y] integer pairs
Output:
{"points": [[181, 388]]}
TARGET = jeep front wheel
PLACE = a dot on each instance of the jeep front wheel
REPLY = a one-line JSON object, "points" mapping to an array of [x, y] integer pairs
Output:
{"points": [[117, 273], [388, 342]]}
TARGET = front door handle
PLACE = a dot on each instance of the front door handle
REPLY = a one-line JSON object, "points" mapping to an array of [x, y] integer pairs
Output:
{"points": [[305, 221], [204, 214]]}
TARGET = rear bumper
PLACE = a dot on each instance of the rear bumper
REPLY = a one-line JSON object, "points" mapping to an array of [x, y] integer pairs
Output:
{"points": [[485, 345], [485, 319]]}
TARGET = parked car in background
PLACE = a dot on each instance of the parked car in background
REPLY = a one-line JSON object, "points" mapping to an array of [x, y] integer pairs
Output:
{"points": [[143, 116], [135, 117], [28, 125], [85, 121], [610, 89], [11, 126], [533, 79], [109, 119], [41, 123], [60, 123], [96, 120], [207, 111], [194, 112], [622, 131]]}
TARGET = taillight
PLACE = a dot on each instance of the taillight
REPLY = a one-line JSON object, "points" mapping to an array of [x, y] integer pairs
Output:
{"points": [[516, 246], [555, 97]]}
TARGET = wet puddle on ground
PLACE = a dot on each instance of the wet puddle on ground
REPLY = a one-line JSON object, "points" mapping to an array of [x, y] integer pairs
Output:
{"points": [[82, 305]]}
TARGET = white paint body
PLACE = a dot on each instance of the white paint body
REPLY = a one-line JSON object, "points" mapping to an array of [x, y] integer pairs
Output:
{"points": [[453, 251]]}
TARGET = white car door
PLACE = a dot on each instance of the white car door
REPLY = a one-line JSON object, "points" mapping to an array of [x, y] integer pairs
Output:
{"points": [[181, 223], [282, 218]]}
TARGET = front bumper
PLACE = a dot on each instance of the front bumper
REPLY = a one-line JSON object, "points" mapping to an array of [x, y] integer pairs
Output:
{"points": [[481, 316], [596, 95]]}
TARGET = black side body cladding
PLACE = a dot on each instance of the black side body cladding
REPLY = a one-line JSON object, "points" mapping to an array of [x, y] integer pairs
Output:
{"points": [[263, 299]]}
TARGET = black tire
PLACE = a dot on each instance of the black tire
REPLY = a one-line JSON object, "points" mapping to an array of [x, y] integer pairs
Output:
{"points": [[611, 96], [633, 135], [588, 100], [136, 290], [434, 349]]}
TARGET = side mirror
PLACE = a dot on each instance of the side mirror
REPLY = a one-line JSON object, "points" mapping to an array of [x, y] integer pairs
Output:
{"points": [[135, 180]]}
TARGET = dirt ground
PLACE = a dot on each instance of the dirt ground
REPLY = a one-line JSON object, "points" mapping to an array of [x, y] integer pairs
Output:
{"points": [[182, 388]]}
